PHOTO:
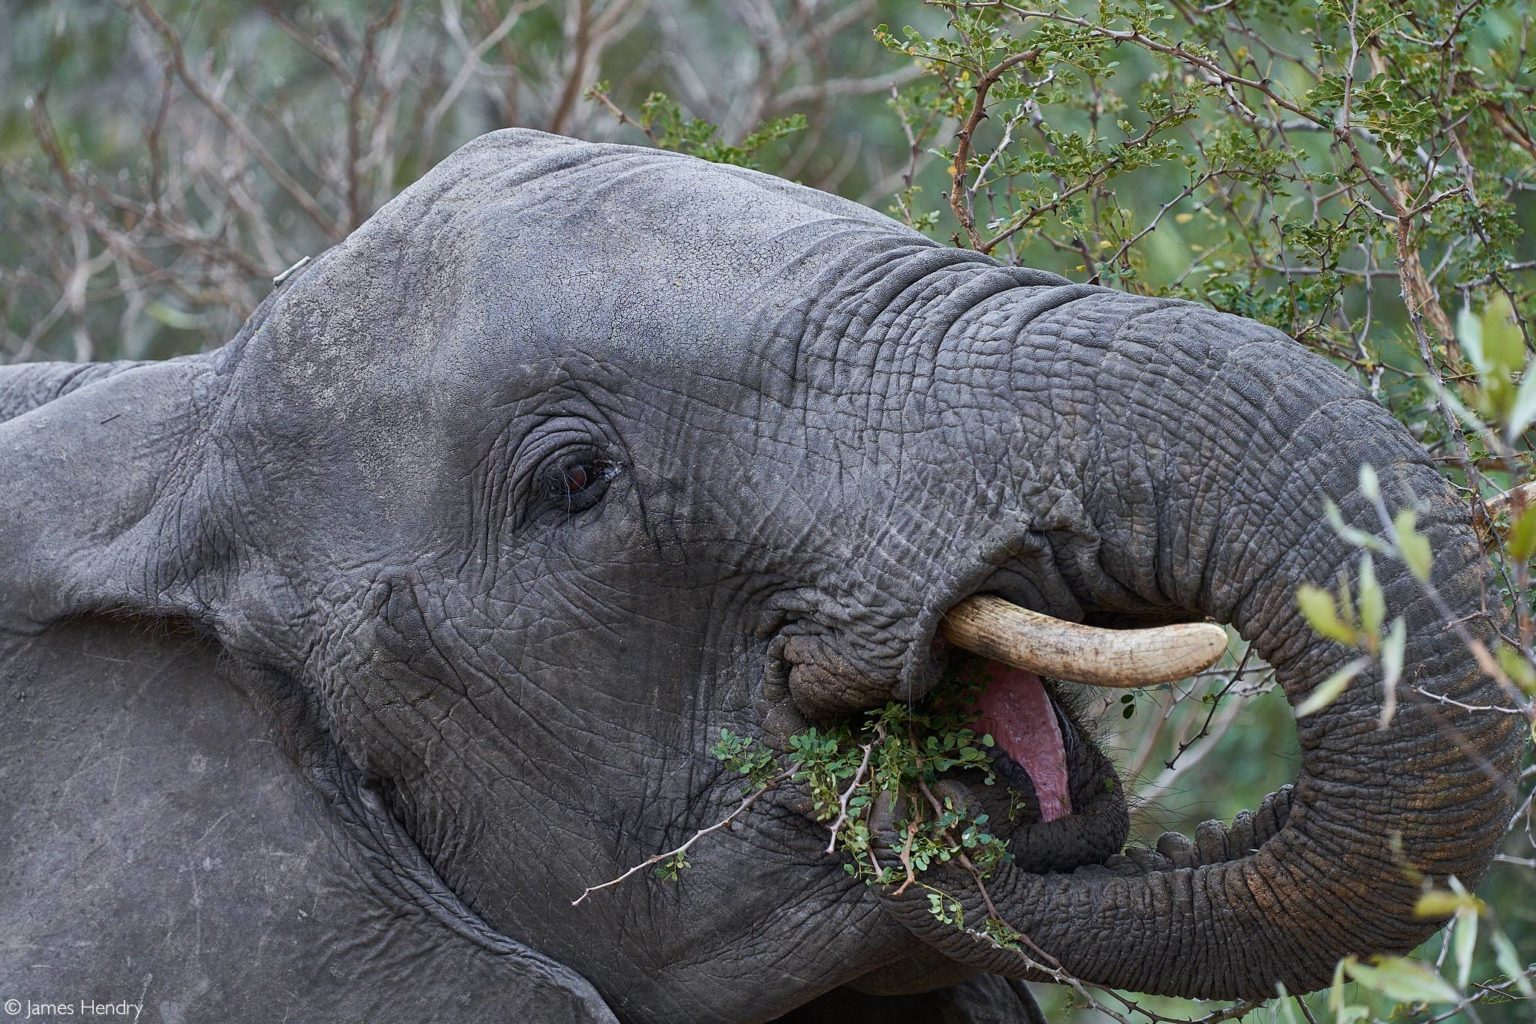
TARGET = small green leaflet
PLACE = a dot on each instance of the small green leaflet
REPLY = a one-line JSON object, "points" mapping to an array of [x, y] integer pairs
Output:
{"points": [[1330, 689], [1403, 979]]}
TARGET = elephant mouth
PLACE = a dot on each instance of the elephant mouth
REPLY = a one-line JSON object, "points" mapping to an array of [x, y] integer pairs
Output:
{"points": [[1059, 804], [1026, 662], [1030, 732], [1055, 798]]}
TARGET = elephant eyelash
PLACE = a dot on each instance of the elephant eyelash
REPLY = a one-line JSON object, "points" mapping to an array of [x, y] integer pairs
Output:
{"points": [[556, 468], [576, 483]]}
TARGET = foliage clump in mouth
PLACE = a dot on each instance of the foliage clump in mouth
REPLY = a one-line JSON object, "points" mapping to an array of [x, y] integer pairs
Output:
{"points": [[894, 753]]}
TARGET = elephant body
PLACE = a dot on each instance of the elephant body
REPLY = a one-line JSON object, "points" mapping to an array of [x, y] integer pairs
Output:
{"points": [[341, 660], [164, 849]]}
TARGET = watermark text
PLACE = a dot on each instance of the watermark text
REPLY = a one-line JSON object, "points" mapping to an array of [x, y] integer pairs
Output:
{"points": [[84, 1009]]}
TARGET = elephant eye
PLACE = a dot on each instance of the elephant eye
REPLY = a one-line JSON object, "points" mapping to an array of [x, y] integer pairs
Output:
{"points": [[576, 484]]}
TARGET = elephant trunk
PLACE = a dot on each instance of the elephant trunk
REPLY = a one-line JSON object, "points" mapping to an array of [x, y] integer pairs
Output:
{"points": [[1208, 447]]}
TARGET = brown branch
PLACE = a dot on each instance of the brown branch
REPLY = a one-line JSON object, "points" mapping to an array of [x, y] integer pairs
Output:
{"points": [[1214, 72], [1516, 498], [1096, 177], [620, 115], [365, 68], [818, 92], [961, 198], [234, 124], [1514, 501], [588, 41], [48, 139], [1509, 129]]}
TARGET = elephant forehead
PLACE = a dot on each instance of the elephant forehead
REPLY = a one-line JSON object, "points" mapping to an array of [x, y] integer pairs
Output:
{"points": [[540, 244], [662, 263], [525, 254]]}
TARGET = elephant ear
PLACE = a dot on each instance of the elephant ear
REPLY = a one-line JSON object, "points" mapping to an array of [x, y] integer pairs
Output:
{"points": [[176, 830], [111, 498], [95, 488], [26, 386]]}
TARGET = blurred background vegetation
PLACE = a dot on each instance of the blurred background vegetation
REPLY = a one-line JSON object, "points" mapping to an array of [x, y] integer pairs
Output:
{"points": [[1359, 174]]}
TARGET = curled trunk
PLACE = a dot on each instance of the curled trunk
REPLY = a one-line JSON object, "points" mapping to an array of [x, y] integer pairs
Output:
{"points": [[1208, 450]]}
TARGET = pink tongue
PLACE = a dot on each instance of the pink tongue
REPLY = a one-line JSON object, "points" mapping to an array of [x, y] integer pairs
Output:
{"points": [[1016, 711]]}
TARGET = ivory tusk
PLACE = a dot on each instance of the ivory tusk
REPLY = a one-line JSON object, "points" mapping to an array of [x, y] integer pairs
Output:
{"points": [[1121, 658]]}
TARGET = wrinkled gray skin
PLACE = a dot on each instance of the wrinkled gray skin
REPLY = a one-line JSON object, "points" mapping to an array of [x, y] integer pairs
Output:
{"points": [[323, 699]]}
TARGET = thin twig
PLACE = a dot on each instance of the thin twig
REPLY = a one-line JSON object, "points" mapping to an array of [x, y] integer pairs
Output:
{"points": [[847, 794], [725, 822]]}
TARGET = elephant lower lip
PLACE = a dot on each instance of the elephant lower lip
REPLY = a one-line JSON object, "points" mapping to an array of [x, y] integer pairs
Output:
{"points": [[1015, 709]]}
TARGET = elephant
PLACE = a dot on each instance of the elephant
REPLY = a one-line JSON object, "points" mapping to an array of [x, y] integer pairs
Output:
{"points": [[341, 659]]}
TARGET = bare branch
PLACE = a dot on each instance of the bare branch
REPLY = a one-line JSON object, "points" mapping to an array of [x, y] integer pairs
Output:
{"points": [[725, 822]]}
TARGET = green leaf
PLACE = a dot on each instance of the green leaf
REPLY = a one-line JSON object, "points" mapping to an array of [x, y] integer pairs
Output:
{"points": [[1469, 330], [1464, 940], [1343, 1013], [1373, 603], [1518, 667], [1359, 538], [1330, 689], [1521, 543], [1336, 990], [1347, 610], [1503, 344], [1370, 483], [1317, 608], [1403, 979], [773, 130], [1412, 545], [1522, 411], [1281, 1009], [1442, 903], [1509, 962], [174, 318], [1391, 670]]}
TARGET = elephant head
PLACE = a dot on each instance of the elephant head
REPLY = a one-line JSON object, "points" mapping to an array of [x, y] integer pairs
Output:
{"points": [[574, 455]]}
